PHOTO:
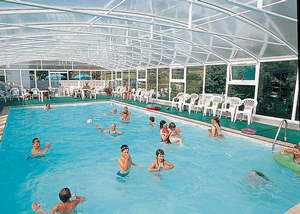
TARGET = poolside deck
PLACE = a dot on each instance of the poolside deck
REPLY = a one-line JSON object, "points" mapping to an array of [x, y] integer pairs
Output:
{"points": [[263, 130]]}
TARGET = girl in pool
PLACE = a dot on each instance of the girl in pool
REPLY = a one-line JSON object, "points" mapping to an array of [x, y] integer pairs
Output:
{"points": [[215, 130], [164, 132], [173, 133], [160, 163]]}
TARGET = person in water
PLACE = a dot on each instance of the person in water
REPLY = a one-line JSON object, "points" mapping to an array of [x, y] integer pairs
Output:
{"points": [[295, 152], [111, 131], [173, 133], [160, 163], [258, 178], [152, 121], [125, 114], [113, 112], [215, 130], [65, 206], [37, 149], [164, 132], [125, 161], [47, 107]]}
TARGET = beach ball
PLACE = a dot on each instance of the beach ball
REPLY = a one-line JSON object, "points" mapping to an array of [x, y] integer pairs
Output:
{"points": [[89, 121]]}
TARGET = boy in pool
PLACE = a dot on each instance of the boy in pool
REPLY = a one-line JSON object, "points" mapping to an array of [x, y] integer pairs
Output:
{"points": [[295, 152], [37, 149], [65, 206], [125, 114], [152, 121], [125, 161], [113, 112], [111, 131], [160, 162], [47, 107]]}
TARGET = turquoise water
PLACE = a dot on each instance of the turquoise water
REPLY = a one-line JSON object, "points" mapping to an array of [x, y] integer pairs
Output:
{"points": [[210, 175]]}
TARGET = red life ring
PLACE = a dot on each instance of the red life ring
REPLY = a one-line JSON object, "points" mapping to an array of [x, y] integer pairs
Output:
{"points": [[249, 131], [153, 107]]}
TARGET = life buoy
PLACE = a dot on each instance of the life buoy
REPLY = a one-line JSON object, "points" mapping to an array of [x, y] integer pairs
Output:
{"points": [[249, 131], [153, 107]]}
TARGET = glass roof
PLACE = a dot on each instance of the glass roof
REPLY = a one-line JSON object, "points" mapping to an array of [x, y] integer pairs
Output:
{"points": [[130, 34]]}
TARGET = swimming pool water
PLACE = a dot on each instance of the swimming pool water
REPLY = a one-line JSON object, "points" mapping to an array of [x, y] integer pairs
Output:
{"points": [[210, 175]]}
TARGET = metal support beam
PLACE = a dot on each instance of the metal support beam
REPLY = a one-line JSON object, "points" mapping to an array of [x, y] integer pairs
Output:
{"points": [[296, 97]]}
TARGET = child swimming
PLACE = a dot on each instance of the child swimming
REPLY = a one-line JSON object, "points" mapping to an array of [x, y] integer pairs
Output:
{"points": [[37, 149], [47, 107], [65, 206], [125, 161], [160, 162], [152, 121], [215, 130], [173, 133], [164, 132], [125, 114]]}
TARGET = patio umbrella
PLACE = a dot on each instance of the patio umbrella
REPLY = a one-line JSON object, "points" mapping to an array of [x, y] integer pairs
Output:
{"points": [[82, 77], [56, 76]]}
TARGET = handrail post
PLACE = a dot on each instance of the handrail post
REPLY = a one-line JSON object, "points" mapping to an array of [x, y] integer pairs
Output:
{"points": [[278, 131]]}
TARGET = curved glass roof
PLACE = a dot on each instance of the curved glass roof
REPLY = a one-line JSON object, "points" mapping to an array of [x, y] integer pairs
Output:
{"points": [[126, 34]]}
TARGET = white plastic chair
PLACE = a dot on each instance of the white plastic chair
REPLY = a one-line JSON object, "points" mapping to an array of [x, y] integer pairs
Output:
{"points": [[142, 94], [249, 109], [36, 92], [3, 95], [191, 105], [15, 93], [230, 106], [92, 94], [138, 91], [115, 92], [119, 93], [175, 100], [26, 95], [215, 100], [132, 93], [203, 99], [149, 98]]}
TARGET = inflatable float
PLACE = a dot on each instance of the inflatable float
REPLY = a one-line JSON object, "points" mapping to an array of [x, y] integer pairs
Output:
{"points": [[249, 131], [153, 107], [287, 160]]}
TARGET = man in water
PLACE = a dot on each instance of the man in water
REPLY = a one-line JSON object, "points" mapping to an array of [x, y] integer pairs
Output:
{"points": [[37, 149], [111, 131], [125, 161]]}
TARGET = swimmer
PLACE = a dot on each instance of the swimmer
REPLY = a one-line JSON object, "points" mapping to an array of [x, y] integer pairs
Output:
{"points": [[215, 130], [47, 107], [173, 133], [111, 131], [160, 162], [125, 161], [37, 149], [152, 121], [164, 132], [295, 152], [125, 114], [167, 108], [260, 177], [113, 112], [65, 206]]}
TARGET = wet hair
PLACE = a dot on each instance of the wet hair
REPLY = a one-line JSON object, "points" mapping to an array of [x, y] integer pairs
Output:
{"points": [[159, 152], [124, 147], [115, 109], [216, 119], [152, 119], [297, 147], [47, 104], [260, 174], [161, 123], [172, 125], [34, 139], [114, 125], [65, 195]]}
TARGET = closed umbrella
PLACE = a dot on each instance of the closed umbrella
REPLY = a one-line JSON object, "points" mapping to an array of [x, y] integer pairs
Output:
{"points": [[82, 77]]}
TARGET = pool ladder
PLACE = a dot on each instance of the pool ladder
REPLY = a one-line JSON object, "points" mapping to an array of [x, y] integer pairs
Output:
{"points": [[281, 123]]}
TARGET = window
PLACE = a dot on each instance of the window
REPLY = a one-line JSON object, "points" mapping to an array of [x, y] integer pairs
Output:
{"points": [[241, 91], [215, 81], [243, 72], [125, 78], [177, 73], [151, 79], [176, 88], [163, 83], [194, 80], [133, 78]]}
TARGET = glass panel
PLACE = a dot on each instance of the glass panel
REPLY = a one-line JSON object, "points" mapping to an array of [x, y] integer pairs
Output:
{"points": [[276, 88], [72, 74], [163, 83], [42, 82], [32, 79], [85, 75], [108, 75], [243, 72], [13, 77], [297, 111], [119, 75], [215, 81], [142, 85], [96, 75], [241, 91], [151, 79], [133, 79], [125, 78], [2, 76], [25, 79], [194, 80], [178, 73], [176, 88], [142, 74]]}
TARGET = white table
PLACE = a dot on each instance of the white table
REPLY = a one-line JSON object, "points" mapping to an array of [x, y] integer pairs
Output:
{"points": [[42, 94]]}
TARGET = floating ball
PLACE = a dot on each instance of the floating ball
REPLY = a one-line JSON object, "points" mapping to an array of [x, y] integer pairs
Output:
{"points": [[89, 121]]}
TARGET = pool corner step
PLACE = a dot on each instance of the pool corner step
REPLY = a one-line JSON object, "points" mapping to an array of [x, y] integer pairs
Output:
{"points": [[294, 210]]}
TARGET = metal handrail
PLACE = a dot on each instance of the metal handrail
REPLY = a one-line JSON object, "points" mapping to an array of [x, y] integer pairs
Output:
{"points": [[281, 123]]}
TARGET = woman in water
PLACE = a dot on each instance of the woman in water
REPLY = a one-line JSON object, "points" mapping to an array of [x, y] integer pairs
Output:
{"points": [[215, 130], [160, 163], [164, 132], [173, 133]]}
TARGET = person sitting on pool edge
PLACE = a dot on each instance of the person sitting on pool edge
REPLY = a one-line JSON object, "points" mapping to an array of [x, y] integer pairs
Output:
{"points": [[37, 149], [152, 121], [47, 107], [164, 132], [65, 206], [111, 131], [295, 152], [215, 130], [160, 162], [125, 162]]}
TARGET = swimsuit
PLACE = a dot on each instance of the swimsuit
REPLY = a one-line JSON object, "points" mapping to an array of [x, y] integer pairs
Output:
{"points": [[161, 168], [165, 132], [217, 132], [122, 174], [172, 136]]}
